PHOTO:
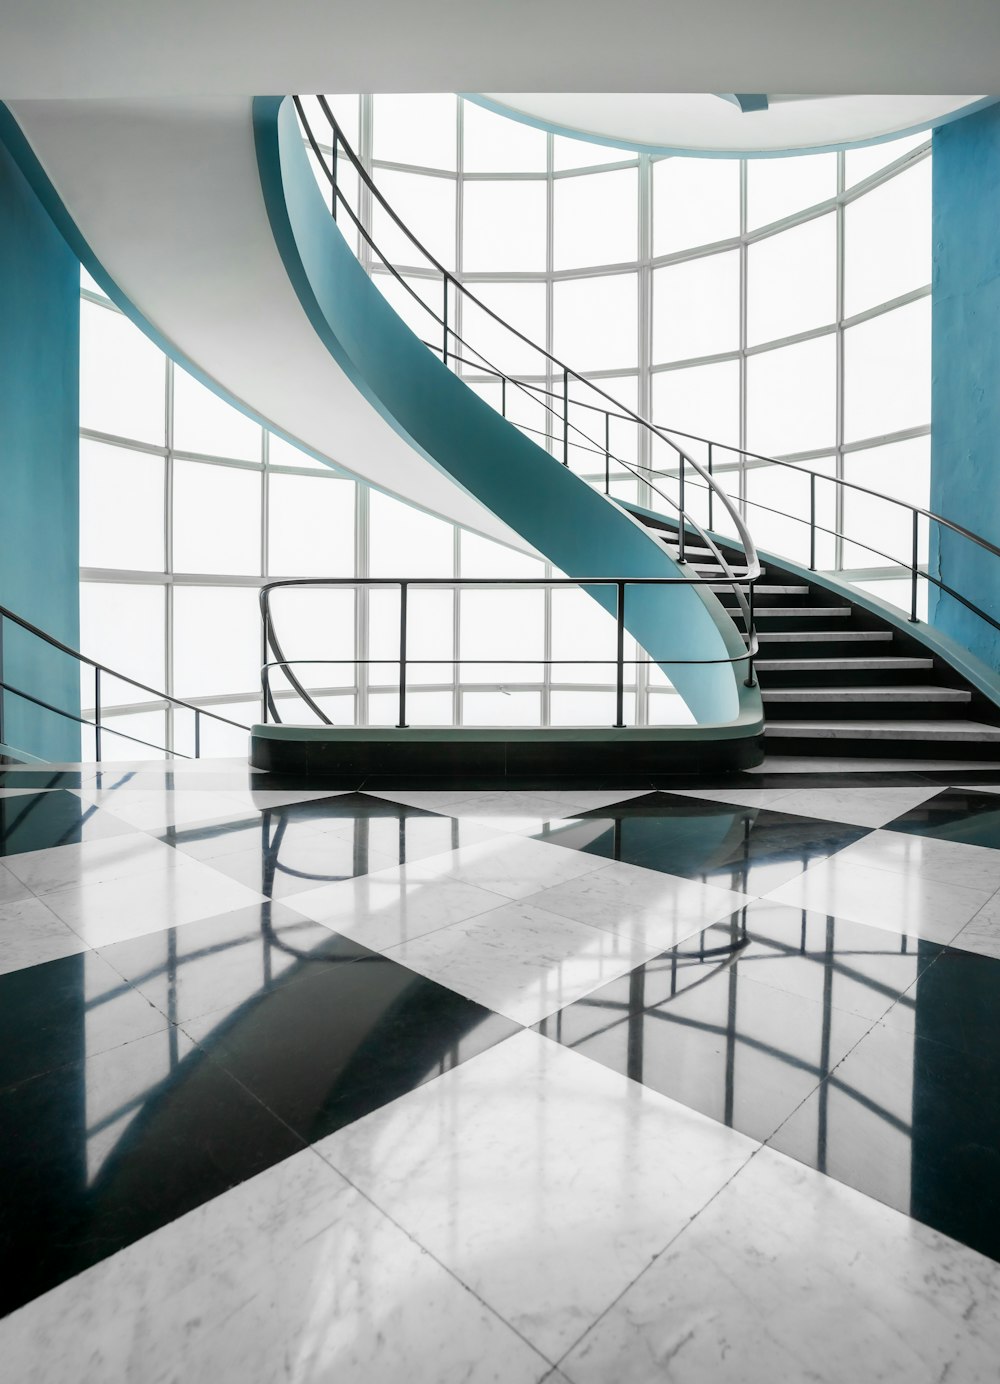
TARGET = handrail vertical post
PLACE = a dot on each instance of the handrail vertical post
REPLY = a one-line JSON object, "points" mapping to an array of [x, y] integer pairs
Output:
{"points": [[812, 521], [620, 689], [197, 733], [750, 681], [333, 177], [711, 489], [565, 417], [2, 694], [503, 395], [913, 569], [403, 592], [680, 516], [607, 452], [97, 714], [444, 349]]}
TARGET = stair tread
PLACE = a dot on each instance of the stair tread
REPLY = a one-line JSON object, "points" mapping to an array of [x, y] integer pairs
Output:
{"points": [[810, 612], [886, 730], [825, 636], [724, 588], [866, 694], [890, 663]]}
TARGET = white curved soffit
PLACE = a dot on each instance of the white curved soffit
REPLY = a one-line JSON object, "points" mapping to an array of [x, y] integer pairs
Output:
{"points": [[167, 196], [660, 122]]}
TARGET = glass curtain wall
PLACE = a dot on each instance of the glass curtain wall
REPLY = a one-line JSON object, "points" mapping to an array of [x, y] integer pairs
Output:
{"points": [[780, 305], [776, 305]]}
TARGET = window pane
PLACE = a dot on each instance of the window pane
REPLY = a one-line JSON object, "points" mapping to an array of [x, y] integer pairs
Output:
{"points": [[792, 281], [216, 640], [596, 322], [696, 307], [347, 113], [422, 708], [887, 240], [426, 206], [596, 219], [791, 398], [310, 526], [522, 306], [501, 709], [695, 201], [862, 163], [205, 423], [216, 518], [121, 508], [421, 130], [430, 643], [582, 629], [587, 709], [887, 371], [580, 153], [502, 625], [406, 542], [122, 626], [282, 453], [120, 737], [315, 627], [496, 144], [779, 187], [481, 557], [779, 506], [122, 377], [702, 399], [503, 226], [900, 469]]}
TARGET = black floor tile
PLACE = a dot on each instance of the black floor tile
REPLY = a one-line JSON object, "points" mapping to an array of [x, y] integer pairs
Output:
{"points": [[743, 1021], [219, 964], [958, 814], [744, 848], [914, 1123], [38, 821], [327, 1045], [97, 1154], [64, 1011]]}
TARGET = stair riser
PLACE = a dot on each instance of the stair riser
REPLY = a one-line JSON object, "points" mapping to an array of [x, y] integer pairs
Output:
{"points": [[845, 747], [820, 678], [865, 711]]}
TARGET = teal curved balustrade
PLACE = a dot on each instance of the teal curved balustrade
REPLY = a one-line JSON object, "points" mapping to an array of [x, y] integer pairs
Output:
{"points": [[682, 627]]}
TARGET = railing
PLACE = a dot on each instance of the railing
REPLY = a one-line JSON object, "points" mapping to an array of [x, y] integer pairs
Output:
{"points": [[554, 399], [98, 725], [288, 666], [561, 431]]}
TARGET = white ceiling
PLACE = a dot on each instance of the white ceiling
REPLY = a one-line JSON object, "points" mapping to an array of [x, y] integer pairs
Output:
{"points": [[64, 48], [706, 123]]}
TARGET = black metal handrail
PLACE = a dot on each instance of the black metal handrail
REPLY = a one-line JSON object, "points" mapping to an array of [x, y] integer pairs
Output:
{"points": [[271, 643], [918, 513], [97, 725], [450, 336]]}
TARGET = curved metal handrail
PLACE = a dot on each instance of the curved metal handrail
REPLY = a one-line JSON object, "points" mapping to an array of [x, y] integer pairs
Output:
{"points": [[449, 280], [99, 669]]}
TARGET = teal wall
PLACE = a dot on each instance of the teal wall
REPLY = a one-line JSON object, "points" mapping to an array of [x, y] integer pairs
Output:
{"points": [[965, 407], [39, 465]]}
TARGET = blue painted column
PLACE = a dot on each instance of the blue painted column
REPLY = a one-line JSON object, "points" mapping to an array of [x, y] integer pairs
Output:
{"points": [[39, 465], [965, 408]]}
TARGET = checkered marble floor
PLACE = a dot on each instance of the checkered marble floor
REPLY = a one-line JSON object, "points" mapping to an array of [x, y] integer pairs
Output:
{"points": [[692, 1084]]}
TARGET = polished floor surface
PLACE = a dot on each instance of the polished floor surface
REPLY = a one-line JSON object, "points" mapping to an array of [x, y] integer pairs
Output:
{"points": [[692, 1084]]}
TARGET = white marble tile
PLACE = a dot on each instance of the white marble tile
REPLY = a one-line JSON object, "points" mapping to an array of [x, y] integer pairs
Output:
{"points": [[30, 933], [291, 1276], [948, 862], [11, 888], [522, 814], [91, 862], [861, 807], [263, 798], [117, 909], [388, 908], [541, 1179], [656, 909], [900, 903], [573, 801], [156, 810], [521, 961], [430, 800], [742, 797], [508, 865], [982, 933], [790, 1276]]}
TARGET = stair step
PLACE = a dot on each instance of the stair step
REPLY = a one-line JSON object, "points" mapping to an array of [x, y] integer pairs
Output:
{"points": [[825, 636], [806, 612], [843, 665], [866, 694], [966, 731], [724, 589]]}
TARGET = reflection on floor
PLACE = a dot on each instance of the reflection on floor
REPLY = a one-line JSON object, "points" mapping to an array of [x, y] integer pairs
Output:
{"points": [[579, 1085]]}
